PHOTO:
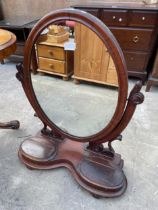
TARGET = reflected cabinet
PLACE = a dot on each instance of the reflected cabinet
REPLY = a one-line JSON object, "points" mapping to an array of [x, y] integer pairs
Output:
{"points": [[53, 59], [89, 60]]}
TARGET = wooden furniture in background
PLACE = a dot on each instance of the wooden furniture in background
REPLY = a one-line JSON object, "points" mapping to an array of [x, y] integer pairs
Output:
{"points": [[7, 47], [16, 27], [135, 27], [92, 61], [153, 78], [21, 28], [53, 59]]}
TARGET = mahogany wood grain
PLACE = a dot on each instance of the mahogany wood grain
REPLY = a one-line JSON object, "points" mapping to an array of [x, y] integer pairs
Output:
{"points": [[136, 61], [134, 39], [114, 17], [100, 175], [143, 18]]}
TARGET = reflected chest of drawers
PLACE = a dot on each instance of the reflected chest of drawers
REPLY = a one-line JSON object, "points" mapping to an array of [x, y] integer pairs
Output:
{"points": [[135, 27], [53, 59]]}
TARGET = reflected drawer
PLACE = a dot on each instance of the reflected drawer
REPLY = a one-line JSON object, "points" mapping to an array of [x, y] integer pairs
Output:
{"points": [[134, 39], [51, 52], [144, 19], [52, 65], [136, 61], [114, 17]]}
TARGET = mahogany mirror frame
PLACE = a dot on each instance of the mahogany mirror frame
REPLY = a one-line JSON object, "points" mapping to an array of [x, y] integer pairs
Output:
{"points": [[60, 156], [108, 39]]}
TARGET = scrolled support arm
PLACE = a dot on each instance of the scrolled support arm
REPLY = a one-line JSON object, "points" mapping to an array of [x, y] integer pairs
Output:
{"points": [[20, 73]]}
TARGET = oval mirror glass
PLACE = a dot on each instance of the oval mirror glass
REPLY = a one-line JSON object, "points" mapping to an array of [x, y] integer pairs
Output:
{"points": [[76, 82]]}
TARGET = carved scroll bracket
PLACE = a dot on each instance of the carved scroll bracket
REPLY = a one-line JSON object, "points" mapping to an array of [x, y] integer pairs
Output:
{"points": [[50, 133], [20, 73], [107, 151], [136, 97]]}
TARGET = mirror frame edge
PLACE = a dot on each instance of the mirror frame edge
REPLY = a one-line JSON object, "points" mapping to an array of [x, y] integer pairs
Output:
{"points": [[115, 51]]}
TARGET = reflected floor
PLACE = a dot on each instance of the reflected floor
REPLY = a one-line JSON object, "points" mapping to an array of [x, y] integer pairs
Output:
{"points": [[69, 105]]}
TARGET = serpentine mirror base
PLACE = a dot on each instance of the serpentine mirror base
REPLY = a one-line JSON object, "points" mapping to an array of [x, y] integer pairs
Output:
{"points": [[100, 174]]}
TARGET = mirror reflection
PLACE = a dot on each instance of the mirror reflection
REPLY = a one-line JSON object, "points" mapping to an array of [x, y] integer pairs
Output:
{"points": [[76, 81]]}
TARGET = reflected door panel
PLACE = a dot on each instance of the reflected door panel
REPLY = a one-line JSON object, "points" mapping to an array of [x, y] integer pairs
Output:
{"points": [[92, 60]]}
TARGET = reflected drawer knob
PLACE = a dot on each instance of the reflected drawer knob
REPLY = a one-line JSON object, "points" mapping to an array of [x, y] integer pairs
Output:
{"points": [[51, 66], [120, 19], [143, 18], [114, 17], [135, 39], [50, 52]]}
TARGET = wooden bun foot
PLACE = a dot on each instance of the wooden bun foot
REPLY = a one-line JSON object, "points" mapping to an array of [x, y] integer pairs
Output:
{"points": [[101, 175]]}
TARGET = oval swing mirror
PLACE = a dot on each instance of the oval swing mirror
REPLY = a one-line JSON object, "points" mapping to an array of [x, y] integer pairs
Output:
{"points": [[79, 91], [76, 82], [69, 51]]}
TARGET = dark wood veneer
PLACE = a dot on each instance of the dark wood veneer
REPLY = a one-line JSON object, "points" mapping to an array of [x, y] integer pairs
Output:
{"points": [[149, 20], [134, 39], [136, 61], [114, 17]]}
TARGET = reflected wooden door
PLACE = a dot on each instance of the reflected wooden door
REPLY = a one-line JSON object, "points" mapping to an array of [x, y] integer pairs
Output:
{"points": [[92, 61]]}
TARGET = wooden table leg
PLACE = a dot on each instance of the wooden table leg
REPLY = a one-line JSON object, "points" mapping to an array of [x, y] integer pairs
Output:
{"points": [[148, 86], [10, 125]]}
